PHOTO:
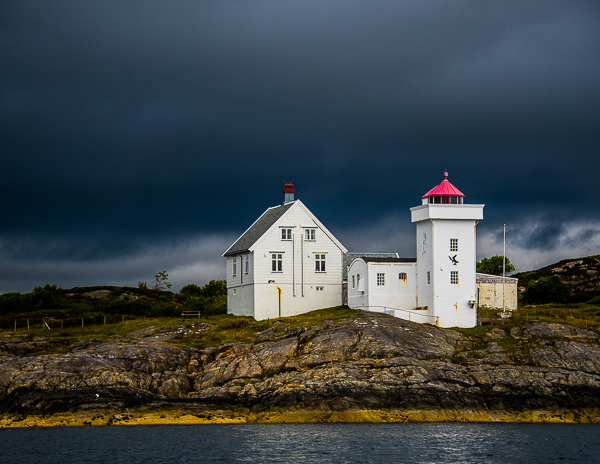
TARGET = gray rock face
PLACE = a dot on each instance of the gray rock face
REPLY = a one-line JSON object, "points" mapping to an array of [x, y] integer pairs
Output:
{"points": [[372, 361]]}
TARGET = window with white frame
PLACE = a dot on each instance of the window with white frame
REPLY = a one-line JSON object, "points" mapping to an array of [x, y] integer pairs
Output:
{"points": [[428, 277], [380, 279], [234, 270], [247, 264], [286, 234], [310, 234], [453, 244], [320, 289], [234, 291], [276, 262], [353, 281], [454, 277], [319, 262], [402, 276]]}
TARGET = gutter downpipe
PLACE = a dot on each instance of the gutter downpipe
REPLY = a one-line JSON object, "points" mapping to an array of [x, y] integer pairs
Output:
{"points": [[302, 261]]}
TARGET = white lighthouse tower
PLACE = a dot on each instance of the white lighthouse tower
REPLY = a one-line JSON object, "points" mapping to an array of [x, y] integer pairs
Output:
{"points": [[446, 251]]}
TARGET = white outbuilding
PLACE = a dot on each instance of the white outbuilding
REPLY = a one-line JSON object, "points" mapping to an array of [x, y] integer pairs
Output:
{"points": [[286, 263]]}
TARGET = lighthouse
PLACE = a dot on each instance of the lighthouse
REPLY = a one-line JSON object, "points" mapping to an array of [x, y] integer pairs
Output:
{"points": [[446, 255]]}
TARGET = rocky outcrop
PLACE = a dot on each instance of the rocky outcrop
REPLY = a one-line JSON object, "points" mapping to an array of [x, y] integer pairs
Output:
{"points": [[368, 362]]}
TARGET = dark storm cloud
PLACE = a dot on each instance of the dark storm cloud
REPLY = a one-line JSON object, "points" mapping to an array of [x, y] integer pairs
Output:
{"points": [[127, 125]]}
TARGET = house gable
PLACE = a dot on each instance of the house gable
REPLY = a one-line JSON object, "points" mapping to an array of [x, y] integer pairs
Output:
{"points": [[281, 220]]}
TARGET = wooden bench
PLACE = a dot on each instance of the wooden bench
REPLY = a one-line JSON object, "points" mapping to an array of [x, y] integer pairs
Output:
{"points": [[191, 313]]}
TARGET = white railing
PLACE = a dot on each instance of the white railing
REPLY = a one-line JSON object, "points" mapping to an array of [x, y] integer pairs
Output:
{"points": [[420, 316]]}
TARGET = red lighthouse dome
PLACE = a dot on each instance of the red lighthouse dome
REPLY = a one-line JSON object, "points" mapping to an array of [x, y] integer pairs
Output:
{"points": [[444, 193]]}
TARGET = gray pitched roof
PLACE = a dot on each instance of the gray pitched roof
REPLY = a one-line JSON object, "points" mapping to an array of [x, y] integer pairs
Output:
{"points": [[349, 257], [388, 260], [257, 230]]}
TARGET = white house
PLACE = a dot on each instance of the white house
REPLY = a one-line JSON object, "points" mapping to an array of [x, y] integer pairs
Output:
{"points": [[286, 263], [385, 284]]}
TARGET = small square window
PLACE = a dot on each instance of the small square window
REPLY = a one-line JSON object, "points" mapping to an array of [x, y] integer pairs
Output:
{"points": [[454, 277], [320, 289], [402, 276], [286, 234], [380, 279], [310, 234], [453, 244]]}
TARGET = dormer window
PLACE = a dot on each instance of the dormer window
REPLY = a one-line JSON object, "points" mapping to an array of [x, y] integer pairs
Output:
{"points": [[286, 234], [310, 234]]}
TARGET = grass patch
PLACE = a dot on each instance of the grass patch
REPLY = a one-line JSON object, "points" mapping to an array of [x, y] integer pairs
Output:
{"points": [[226, 329], [240, 329]]}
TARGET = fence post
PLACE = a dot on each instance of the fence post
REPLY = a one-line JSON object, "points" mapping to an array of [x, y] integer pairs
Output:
{"points": [[123, 318], [27, 324], [15, 325], [104, 320], [82, 322]]}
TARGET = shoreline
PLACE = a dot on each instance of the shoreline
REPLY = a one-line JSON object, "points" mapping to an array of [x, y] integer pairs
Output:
{"points": [[179, 417]]}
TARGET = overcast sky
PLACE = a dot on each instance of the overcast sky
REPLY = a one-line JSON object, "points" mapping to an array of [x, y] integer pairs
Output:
{"points": [[143, 136]]}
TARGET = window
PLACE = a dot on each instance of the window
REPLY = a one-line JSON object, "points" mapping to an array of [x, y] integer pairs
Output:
{"points": [[234, 267], [286, 234], [380, 279], [319, 263], [402, 276], [453, 244], [234, 291], [320, 289], [309, 234], [276, 262], [353, 281], [454, 277], [247, 269], [428, 277]]}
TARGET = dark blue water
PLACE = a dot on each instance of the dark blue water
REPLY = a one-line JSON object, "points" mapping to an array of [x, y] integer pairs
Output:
{"points": [[310, 443]]}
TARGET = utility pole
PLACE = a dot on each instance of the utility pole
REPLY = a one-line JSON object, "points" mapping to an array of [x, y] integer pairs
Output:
{"points": [[504, 270]]}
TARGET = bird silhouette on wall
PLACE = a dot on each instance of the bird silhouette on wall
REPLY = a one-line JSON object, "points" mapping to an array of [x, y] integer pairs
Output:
{"points": [[453, 259]]}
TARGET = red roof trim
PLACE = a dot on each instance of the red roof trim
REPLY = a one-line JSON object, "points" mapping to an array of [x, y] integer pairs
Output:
{"points": [[445, 189]]}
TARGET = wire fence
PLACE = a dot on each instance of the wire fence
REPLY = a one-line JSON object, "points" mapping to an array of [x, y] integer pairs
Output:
{"points": [[50, 323]]}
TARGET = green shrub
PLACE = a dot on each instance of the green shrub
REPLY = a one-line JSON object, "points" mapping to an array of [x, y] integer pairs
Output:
{"points": [[164, 309], [195, 304], [595, 300], [546, 290]]}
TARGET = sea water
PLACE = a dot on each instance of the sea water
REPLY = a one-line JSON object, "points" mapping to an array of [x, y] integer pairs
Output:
{"points": [[305, 443]]}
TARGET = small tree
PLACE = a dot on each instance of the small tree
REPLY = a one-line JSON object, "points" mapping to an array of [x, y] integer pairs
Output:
{"points": [[142, 284], [190, 290], [493, 265], [161, 281]]}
